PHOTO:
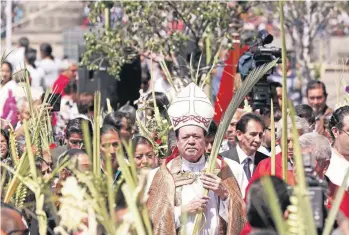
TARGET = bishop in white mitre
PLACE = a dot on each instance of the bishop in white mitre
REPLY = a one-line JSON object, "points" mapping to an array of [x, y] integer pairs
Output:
{"points": [[177, 187]]}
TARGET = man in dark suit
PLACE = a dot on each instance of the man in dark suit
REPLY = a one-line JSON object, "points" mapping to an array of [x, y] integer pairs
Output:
{"points": [[249, 134]]}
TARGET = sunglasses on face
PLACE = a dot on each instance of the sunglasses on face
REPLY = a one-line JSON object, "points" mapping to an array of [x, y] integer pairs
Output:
{"points": [[344, 132], [19, 232], [76, 142]]}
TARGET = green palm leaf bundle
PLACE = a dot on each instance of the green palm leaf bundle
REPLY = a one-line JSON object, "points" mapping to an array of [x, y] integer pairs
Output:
{"points": [[238, 98]]}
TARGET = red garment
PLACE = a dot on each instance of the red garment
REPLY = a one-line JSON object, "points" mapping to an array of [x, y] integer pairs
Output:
{"points": [[226, 87], [344, 206], [246, 230], [59, 85], [264, 168]]}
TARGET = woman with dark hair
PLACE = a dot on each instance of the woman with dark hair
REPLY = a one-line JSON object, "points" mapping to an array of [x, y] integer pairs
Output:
{"points": [[122, 123], [8, 86], [68, 108], [161, 102], [144, 153], [110, 144], [48, 66], [5, 156], [4, 145], [35, 74]]}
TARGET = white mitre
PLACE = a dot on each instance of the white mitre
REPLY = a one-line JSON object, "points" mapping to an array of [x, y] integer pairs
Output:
{"points": [[191, 107]]}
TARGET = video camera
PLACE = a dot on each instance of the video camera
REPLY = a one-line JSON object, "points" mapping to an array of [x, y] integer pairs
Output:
{"points": [[258, 55], [317, 191]]}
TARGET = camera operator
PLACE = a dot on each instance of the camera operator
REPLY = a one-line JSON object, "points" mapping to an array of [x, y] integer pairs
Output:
{"points": [[257, 55], [317, 152], [293, 86]]}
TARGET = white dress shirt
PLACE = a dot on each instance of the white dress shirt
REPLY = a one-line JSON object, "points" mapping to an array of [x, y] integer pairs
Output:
{"points": [[50, 72], [242, 156], [239, 174], [337, 169], [265, 151]]}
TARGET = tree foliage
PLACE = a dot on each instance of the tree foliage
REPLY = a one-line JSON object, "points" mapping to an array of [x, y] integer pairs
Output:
{"points": [[306, 22], [165, 28]]}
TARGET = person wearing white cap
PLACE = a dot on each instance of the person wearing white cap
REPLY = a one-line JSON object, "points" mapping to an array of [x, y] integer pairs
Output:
{"points": [[177, 187]]}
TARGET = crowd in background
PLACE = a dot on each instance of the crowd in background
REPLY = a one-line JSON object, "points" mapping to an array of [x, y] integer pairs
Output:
{"points": [[246, 148]]}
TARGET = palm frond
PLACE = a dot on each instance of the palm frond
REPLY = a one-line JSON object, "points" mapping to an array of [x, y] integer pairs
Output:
{"points": [[284, 93], [273, 202], [131, 160], [302, 188], [18, 179], [197, 70], [21, 170], [13, 147], [238, 98], [87, 139], [335, 206], [110, 193], [96, 134], [167, 74], [272, 126], [29, 151]]}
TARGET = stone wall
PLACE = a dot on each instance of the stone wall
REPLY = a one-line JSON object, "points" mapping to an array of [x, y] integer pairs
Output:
{"points": [[55, 16], [50, 20]]}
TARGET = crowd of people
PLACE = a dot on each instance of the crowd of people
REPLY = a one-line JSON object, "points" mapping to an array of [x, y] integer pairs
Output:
{"points": [[236, 202]]}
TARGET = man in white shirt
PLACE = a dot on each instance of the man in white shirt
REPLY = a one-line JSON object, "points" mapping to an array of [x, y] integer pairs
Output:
{"points": [[265, 147], [339, 163], [16, 57], [249, 134], [177, 188]]}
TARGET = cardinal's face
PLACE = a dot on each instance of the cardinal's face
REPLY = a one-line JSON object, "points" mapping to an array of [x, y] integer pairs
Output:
{"points": [[191, 142]]}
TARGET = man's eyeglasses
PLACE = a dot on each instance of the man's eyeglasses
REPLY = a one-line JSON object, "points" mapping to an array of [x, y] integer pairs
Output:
{"points": [[344, 131], [76, 142], [19, 232]]}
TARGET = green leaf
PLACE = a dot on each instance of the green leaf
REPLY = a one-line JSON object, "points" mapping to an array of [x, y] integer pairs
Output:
{"points": [[239, 96], [302, 192], [284, 94], [335, 206], [274, 205]]}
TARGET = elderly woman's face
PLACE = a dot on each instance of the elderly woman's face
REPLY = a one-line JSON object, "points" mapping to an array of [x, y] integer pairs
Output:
{"points": [[3, 146], [24, 113]]}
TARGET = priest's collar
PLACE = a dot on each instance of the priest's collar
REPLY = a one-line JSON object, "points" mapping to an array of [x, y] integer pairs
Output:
{"points": [[201, 161]]}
